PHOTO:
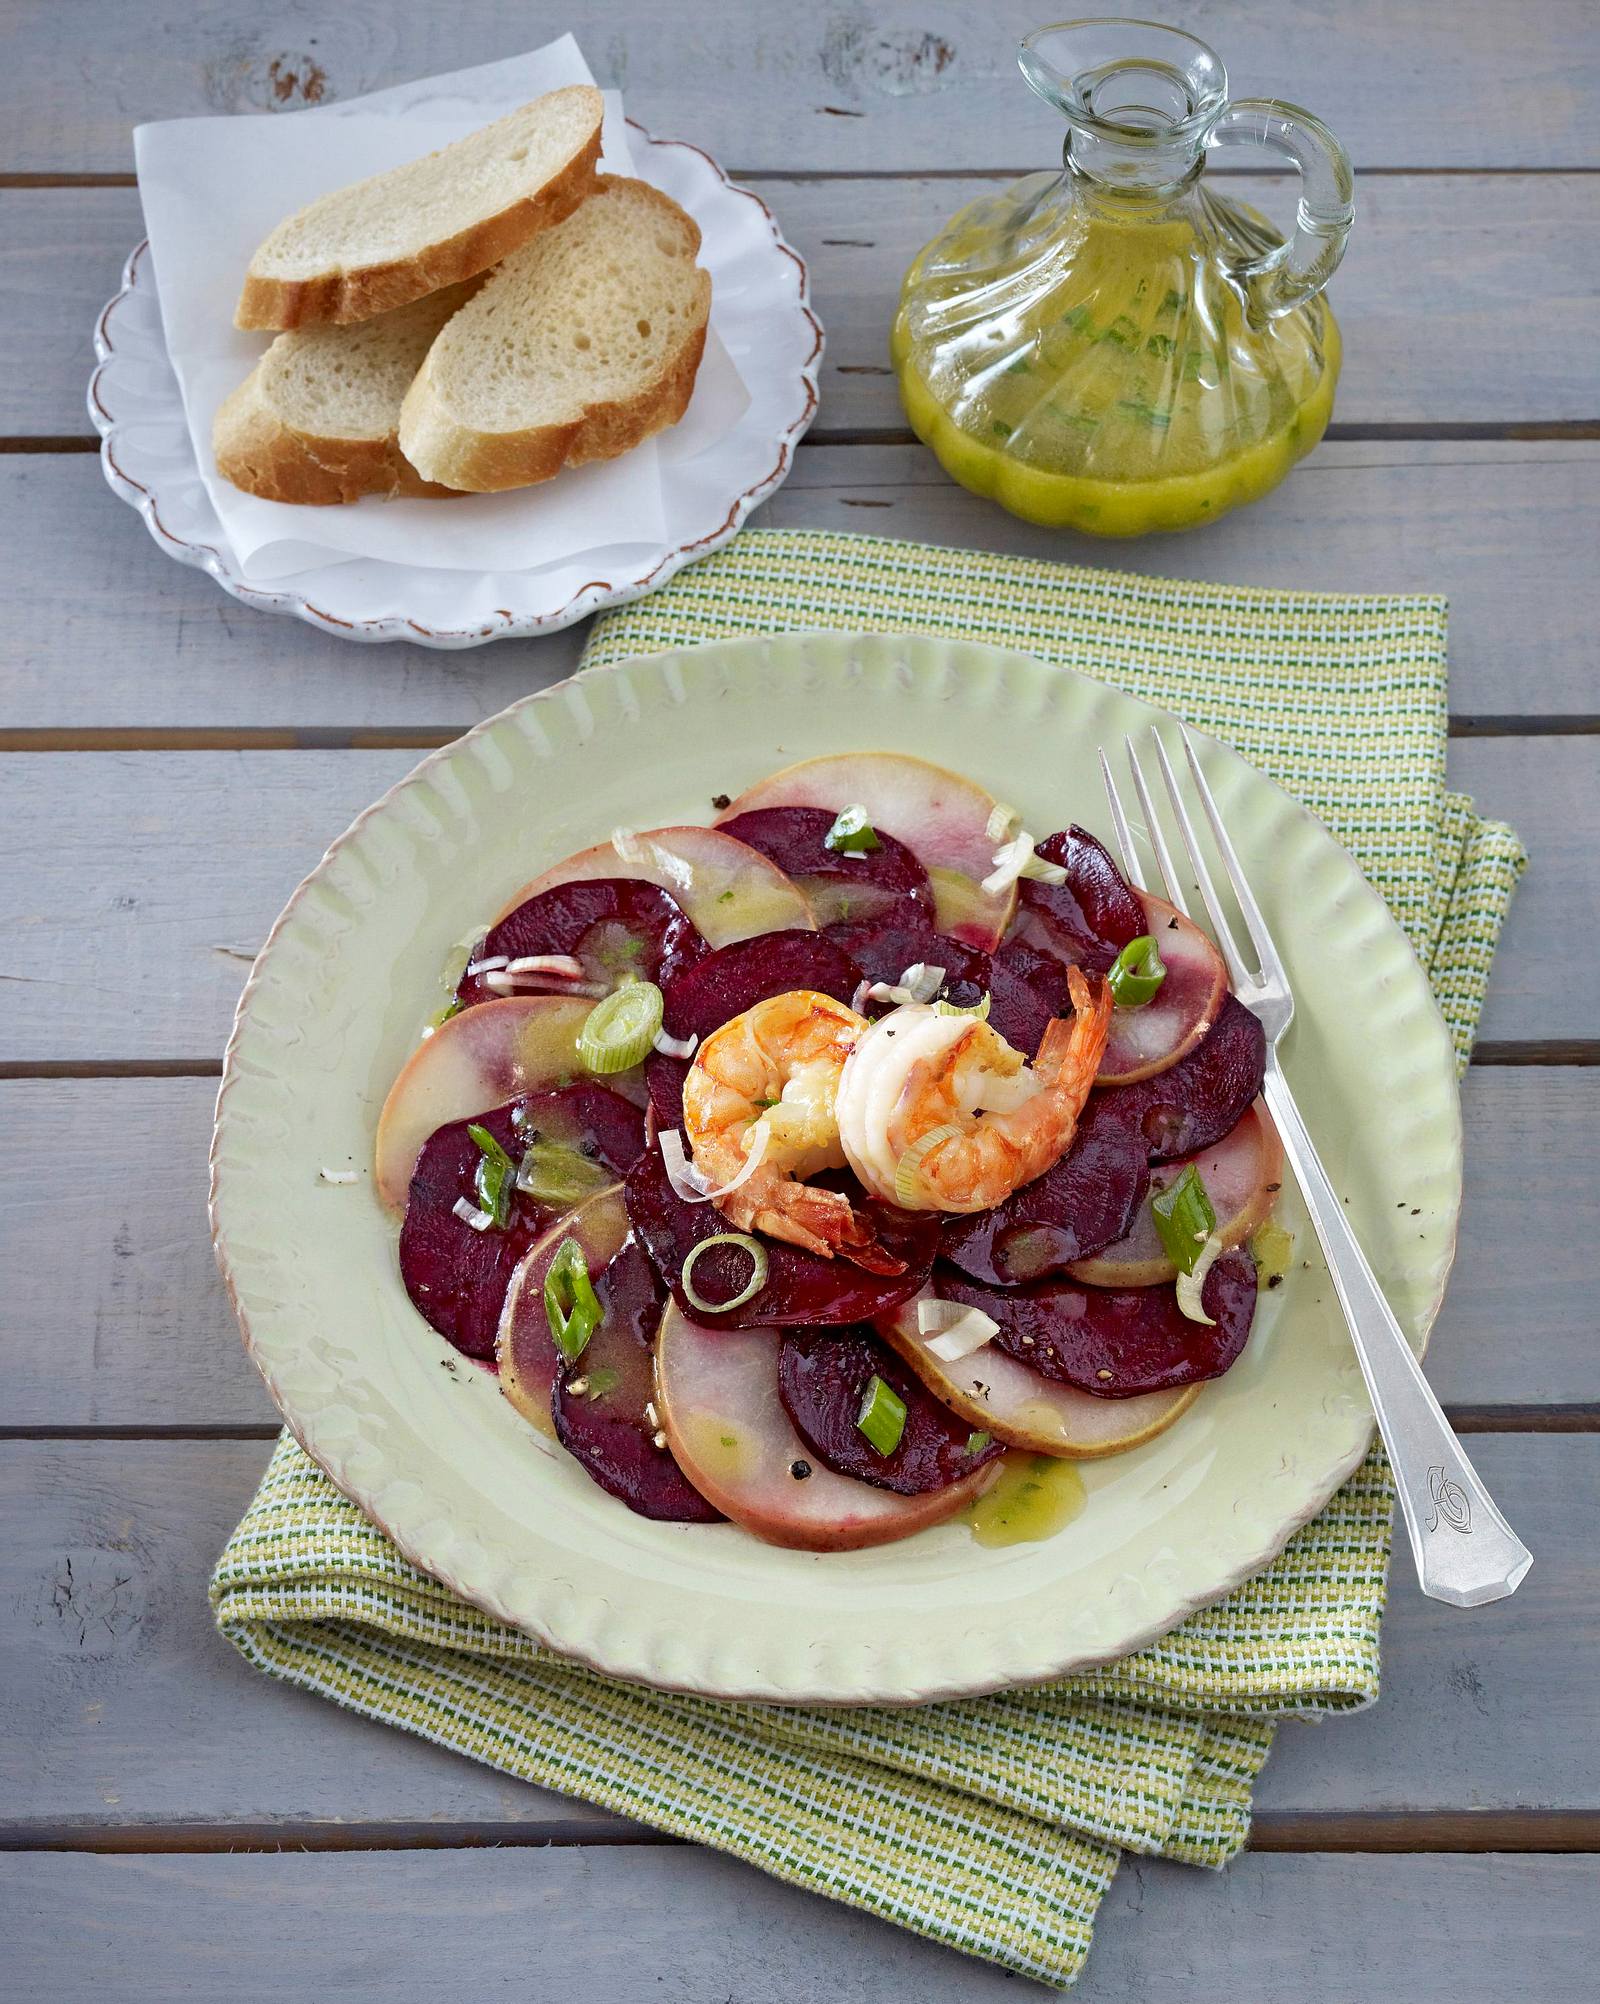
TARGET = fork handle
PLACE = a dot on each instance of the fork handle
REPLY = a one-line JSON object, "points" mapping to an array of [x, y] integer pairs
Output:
{"points": [[1465, 1551]]}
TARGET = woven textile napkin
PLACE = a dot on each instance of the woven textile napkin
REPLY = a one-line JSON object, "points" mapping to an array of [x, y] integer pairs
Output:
{"points": [[993, 1824]]}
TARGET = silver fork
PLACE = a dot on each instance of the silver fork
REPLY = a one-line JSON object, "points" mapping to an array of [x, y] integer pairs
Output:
{"points": [[1465, 1551]]}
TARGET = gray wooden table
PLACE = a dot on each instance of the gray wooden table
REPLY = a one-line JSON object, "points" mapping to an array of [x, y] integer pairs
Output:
{"points": [[171, 763]]}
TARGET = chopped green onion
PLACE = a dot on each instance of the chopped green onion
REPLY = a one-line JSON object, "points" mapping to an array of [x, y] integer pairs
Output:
{"points": [[882, 1417], [1137, 973], [979, 1010], [602, 1381], [752, 1287], [909, 1188], [977, 1442], [495, 1177], [1190, 1301], [620, 1030], [553, 1174], [852, 833], [442, 1016], [1184, 1219], [570, 1302]]}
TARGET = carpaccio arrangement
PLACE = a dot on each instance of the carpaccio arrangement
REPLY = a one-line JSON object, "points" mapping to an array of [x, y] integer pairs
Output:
{"points": [[795, 1169]]}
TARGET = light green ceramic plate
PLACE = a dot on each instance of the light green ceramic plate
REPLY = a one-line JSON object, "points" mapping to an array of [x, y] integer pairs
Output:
{"points": [[468, 1490]]}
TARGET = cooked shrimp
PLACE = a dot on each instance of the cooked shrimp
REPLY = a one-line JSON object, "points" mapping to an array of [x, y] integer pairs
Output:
{"points": [[773, 1074], [985, 1120]]}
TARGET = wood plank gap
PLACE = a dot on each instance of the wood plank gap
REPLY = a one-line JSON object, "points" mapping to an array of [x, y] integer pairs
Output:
{"points": [[110, 1068], [1378, 1831], [1513, 431], [1575, 1418], [1538, 1051], [51, 442], [1579, 725], [226, 1430], [263, 737], [201, 1839], [45, 179], [429, 737], [1395, 1830]]}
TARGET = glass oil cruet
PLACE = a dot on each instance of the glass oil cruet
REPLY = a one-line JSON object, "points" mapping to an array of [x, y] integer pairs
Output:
{"points": [[1116, 348]]}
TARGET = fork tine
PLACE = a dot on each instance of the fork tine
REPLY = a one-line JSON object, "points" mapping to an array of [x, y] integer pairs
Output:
{"points": [[1131, 867], [1171, 883], [1238, 972], [1270, 963]]}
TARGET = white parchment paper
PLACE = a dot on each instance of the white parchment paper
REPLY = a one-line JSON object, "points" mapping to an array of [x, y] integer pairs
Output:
{"points": [[213, 187]]}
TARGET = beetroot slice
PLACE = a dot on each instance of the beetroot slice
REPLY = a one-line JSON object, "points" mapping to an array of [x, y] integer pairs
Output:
{"points": [[1087, 920], [599, 1403], [1087, 1200], [1118, 1342], [823, 1379], [801, 1288], [726, 983], [615, 926], [838, 887], [1201, 1098], [884, 950], [457, 1277]]}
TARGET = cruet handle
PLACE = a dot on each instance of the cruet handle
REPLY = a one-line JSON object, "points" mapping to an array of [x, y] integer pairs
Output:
{"points": [[1295, 271]]}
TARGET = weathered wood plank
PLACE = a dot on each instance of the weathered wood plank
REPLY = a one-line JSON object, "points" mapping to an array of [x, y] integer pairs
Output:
{"points": [[779, 87], [121, 1274], [588, 1927], [104, 630], [1465, 244], [143, 883], [121, 1708]]}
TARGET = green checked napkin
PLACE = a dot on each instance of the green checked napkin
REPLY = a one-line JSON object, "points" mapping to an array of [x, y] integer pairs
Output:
{"points": [[993, 1824]]}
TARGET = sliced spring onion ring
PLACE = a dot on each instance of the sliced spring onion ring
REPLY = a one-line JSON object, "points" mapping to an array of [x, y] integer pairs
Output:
{"points": [[908, 1183], [495, 1177], [490, 966], [620, 1031], [882, 1417], [1003, 822], [503, 982], [692, 1184], [977, 1442], [570, 1303], [1136, 975], [1016, 859], [852, 834], [469, 1214], [677, 1047], [978, 1010], [1190, 1284], [1184, 1219], [552, 1173], [751, 1288], [567, 965], [956, 1330]]}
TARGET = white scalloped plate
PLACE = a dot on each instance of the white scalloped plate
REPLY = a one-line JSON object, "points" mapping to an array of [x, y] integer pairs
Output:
{"points": [[761, 311], [464, 1485]]}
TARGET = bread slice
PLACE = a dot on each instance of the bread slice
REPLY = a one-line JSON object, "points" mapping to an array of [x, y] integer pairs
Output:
{"points": [[316, 421], [381, 243], [581, 344]]}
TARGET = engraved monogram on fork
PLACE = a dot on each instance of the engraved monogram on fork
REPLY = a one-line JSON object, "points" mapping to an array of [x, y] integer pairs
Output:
{"points": [[1451, 1503]]}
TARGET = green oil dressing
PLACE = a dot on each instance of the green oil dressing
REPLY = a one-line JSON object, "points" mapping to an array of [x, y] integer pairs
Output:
{"points": [[1273, 1248], [1035, 1496]]}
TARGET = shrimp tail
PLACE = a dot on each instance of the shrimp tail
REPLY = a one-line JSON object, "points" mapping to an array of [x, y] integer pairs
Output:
{"points": [[1072, 1047], [810, 1216]]}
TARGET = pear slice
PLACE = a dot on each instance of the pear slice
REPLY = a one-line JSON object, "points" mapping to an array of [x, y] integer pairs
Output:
{"points": [[1018, 1406], [729, 890], [941, 817], [479, 1059], [717, 1394], [1243, 1174]]}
